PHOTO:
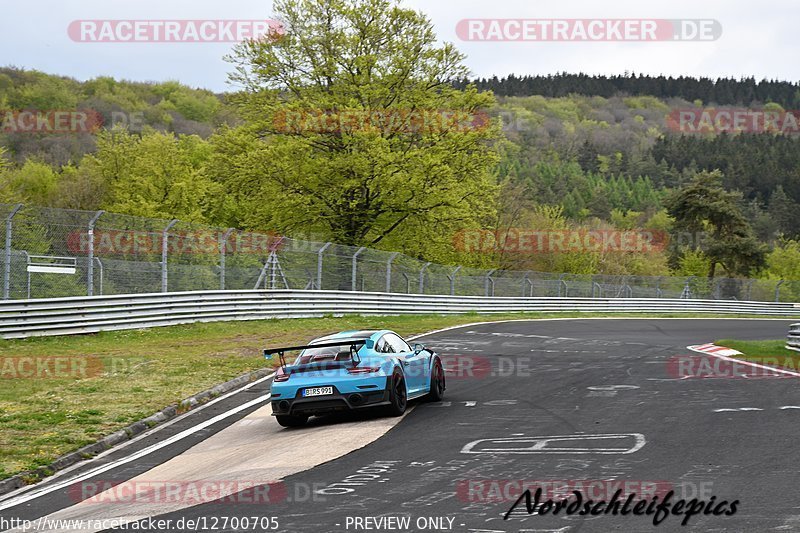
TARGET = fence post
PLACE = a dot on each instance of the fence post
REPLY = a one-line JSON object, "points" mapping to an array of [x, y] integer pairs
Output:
{"points": [[355, 267], [778, 291], [100, 263], [488, 280], [717, 287], [452, 278], [562, 283], [319, 264], [525, 282], [422, 277], [164, 237], [389, 271], [687, 291], [90, 266], [7, 265], [223, 245]]}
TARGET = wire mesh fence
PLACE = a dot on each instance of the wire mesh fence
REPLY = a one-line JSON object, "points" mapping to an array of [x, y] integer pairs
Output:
{"points": [[60, 252]]}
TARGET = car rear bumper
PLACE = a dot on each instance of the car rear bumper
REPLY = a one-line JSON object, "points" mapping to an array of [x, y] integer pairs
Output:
{"points": [[319, 405]]}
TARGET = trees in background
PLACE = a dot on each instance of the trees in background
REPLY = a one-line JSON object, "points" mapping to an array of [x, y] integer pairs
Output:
{"points": [[576, 152], [383, 175], [704, 208]]}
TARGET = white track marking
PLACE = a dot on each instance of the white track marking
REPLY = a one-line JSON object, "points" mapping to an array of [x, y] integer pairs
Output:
{"points": [[144, 435], [539, 444], [141, 453]]}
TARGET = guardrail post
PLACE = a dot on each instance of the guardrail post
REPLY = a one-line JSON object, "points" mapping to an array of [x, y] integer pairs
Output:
{"points": [[487, 281], [389, 271], [223, 245], [422, 277], [452, 278], [90, 266], [7, 264], [778, 291], [164, 237], [355, 268], [319, 264]]}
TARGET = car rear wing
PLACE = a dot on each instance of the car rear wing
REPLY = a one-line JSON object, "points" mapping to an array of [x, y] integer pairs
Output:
{"points": [[354, 344]]}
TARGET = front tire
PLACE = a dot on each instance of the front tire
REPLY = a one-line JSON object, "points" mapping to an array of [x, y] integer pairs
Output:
{"points": [[437, 383], [398, 396], [289, 421]]}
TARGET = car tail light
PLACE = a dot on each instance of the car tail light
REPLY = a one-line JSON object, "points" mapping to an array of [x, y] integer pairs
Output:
{"points": [[281, 376], [363, 370]]}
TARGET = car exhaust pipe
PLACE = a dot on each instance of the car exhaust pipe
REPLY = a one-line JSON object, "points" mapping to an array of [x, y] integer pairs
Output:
{"points": [[283, 405], [356, 399]]}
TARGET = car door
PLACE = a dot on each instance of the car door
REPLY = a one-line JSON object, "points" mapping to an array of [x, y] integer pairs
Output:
{"points": [[416, 365]]}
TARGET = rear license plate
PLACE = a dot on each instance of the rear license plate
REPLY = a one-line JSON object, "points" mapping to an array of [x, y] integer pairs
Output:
{"points": [[317, 391]]}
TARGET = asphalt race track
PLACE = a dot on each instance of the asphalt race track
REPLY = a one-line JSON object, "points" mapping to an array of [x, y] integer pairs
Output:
{"points": [[593, 405]]}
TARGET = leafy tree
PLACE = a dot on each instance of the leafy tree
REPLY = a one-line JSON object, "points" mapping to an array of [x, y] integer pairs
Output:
{"points": [[704, 207], [155, 175], [358, 185], [32, 183], [784, 261]]}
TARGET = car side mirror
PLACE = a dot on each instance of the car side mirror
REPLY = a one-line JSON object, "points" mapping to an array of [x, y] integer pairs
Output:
{"points": [[418, 348]]}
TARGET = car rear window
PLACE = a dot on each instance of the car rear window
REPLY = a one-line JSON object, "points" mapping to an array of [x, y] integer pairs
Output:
{"points": [[331, 353]]}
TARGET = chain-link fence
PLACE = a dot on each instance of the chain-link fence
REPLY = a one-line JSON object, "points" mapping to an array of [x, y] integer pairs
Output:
{"points": [[61, 252]]}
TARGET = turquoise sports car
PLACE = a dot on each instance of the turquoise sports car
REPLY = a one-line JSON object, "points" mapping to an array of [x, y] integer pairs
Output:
{"points": [[353, 370]]}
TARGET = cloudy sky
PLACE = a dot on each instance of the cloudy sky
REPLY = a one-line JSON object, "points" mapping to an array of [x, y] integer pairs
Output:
{"points": [[758, 38]]}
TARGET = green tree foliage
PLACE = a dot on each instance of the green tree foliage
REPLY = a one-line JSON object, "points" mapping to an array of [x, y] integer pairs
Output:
{"points": [[32, 183], [356, 185], [704, 207], [154, 175]]}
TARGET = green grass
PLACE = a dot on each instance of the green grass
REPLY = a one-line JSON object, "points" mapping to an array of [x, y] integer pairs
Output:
{"points": [[771, 352], [130, 375]]}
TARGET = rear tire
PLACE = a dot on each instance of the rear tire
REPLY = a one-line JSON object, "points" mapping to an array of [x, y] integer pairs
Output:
{"points": [[289, 421], [437, 383], [398, 396]]}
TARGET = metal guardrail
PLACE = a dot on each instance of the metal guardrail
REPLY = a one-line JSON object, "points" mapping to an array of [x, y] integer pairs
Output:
{"points": [[793, 339], [74, 315]]}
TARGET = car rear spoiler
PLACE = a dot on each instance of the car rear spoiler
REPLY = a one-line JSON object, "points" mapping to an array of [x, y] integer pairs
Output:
{"points": [[354, 345]]}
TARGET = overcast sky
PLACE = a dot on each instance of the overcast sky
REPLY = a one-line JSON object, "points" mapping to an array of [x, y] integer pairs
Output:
{"points": [[758, 38]]}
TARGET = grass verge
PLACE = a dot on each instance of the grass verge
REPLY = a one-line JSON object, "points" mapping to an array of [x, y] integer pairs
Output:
{"points": [[770, 352], [60, 393]]}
